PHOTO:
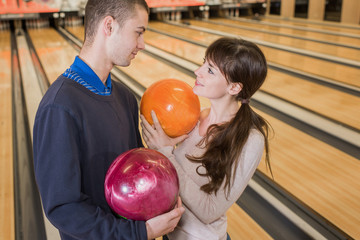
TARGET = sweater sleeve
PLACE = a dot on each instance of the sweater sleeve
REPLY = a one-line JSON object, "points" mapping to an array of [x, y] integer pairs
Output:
{"points": [[135, 110], [210, 207], [58, 175]]}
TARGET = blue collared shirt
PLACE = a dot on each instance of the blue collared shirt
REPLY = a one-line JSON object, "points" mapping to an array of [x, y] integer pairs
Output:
{"points": [[80, 72]]}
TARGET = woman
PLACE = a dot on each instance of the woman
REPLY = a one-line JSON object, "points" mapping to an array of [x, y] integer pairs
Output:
{"points": [[220, 155]]}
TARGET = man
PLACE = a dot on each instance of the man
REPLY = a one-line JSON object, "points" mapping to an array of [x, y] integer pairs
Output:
{"points": [[85, 121]]}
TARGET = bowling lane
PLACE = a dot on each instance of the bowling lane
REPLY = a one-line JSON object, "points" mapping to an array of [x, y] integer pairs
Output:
{"points": [[32, 91], [321, 176], [324, 178], [332, 26], [157, 71], [238, 229], [338, 51], [281, 28], [56, 43], [7, 219], [55, 52], [290, 88], [340, 73]]}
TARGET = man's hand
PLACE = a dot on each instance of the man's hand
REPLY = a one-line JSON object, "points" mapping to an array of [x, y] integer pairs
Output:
{"points": [[165, 223]]}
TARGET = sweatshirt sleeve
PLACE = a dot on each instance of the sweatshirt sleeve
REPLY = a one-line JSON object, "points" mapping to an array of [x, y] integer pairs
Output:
{"points": [[210, 207], [135, 110], [58, 175]]}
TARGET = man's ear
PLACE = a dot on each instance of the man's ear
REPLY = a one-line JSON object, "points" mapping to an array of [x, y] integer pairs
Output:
{"points": [[108, 25], [235, 88]]}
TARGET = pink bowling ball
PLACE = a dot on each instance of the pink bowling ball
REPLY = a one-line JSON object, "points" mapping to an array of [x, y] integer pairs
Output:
{"points": [[140, 184]]}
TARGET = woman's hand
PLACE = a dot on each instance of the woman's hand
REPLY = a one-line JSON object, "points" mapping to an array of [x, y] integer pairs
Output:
{"points": [[154, 136]]}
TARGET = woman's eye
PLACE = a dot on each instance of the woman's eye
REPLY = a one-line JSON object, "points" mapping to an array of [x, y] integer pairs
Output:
{"points": [[209, 71]]}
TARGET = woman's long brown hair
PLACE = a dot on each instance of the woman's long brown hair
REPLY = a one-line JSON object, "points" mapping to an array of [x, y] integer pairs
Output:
{"points": [[240, 61]]}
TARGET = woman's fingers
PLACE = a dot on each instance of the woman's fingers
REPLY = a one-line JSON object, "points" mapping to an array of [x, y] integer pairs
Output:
{"points": [[157, 125], [146, 125]]}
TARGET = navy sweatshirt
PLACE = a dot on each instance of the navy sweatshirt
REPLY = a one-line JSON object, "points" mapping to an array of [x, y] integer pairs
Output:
{"points": [[77, 135]]}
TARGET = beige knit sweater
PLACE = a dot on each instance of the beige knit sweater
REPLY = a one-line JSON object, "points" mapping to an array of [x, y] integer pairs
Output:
{"points": [[205, 214]]}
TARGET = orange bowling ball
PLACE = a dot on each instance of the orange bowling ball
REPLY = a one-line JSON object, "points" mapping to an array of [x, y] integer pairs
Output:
{"points": [[175, 104]]}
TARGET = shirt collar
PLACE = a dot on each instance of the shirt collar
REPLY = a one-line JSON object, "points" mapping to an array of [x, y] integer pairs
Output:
{"points": [[88, 75]]}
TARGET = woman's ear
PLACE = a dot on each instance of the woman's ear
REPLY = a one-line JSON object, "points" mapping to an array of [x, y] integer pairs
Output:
{"points": [[235, 88]]}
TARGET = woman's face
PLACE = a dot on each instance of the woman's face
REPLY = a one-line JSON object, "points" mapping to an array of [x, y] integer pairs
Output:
{"points": [[210, 82]]}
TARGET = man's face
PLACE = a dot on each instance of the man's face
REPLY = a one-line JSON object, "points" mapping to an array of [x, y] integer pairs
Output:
{"points": [[127, 40]]}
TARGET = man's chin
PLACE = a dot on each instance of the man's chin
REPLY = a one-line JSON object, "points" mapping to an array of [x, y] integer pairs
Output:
{"points": [[124, 64]]}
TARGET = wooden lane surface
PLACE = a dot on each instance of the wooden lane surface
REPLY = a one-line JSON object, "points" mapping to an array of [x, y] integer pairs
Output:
{"points": [[30, 82], [338, 51], [290, 88], [286, 41], [321, 176], [7, 219], [240, 225], [324, 178], [335, 27], [54, 51], [340, 73], [292, 31], [241, 229]]}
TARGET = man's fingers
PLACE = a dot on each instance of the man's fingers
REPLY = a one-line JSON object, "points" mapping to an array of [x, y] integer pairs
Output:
{"points": [[175, 217], [179, 202], [176, 213]]}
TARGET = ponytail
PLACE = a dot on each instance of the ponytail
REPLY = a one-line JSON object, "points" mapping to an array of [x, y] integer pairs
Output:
{"points": [[224, 143]]}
